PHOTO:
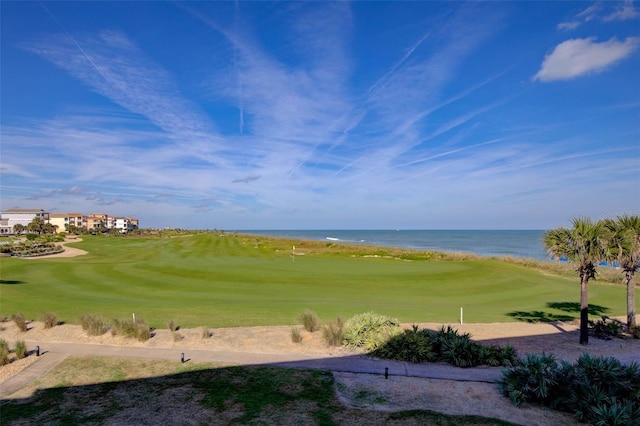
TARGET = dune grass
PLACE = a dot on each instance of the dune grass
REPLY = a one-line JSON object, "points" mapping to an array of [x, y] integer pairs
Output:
{"points": [[219, 280]]}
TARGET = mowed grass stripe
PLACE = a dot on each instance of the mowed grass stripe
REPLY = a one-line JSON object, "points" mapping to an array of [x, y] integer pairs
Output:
{"points": [[229, 280]]}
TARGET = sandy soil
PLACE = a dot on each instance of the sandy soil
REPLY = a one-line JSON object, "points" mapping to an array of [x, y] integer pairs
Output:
{"points": [[398, 393]]}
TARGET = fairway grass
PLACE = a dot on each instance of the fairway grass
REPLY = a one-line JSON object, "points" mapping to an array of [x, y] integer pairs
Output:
{"points": [[223, 280]]}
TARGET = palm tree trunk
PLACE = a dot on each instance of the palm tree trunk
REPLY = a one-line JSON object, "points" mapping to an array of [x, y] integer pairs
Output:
{"points": [[631, 301], [584, 311]]}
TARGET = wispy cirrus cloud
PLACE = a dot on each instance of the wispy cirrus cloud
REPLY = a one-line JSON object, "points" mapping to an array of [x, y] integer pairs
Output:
{"points": [[113, 66], [609, 11]]}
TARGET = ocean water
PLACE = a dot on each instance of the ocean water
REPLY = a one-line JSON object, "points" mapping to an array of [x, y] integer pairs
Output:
{"points": [[491, 243]]}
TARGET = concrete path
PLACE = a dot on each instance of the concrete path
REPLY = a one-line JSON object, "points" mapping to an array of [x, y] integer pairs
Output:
{"points": [[51, 354], [42, 366]]}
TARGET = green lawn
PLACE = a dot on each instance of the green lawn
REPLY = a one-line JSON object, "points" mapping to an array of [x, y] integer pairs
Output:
{"points": [[235, 280]]}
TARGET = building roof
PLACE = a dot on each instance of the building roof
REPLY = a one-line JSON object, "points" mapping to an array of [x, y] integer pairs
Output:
{"points": [[66, 214], [24, 211]]}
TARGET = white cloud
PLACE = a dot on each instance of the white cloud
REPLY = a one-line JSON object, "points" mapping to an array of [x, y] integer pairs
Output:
{"points": [[576, 57], [567, 26], [623, 12]]}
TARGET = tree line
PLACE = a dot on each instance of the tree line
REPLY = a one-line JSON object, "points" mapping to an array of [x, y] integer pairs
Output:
{"points": [[587, 243]]}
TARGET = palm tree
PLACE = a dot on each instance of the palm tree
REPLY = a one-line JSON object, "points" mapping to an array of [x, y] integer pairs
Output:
{"points": [[623, 247], [19, 228], [582, 244]]}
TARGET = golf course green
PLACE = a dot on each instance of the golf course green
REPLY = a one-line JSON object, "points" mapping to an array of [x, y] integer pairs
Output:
{"points": [[222, 280]]}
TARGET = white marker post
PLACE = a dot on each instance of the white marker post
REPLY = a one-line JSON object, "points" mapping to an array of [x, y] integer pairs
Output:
{"points": [[460, 314], [134, 318]]}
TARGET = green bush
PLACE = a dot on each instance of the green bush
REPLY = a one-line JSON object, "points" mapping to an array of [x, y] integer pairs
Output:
{"points": [[4, 352], [333, 333], [310, 321], [411, 346], [296, 337], [20, 320], [49, 319], [606, 328], [370, 330], [93, 324], [596, 390], [533, 378], [444, 345], [21, 349]]}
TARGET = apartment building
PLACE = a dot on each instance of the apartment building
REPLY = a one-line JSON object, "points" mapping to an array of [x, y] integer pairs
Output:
{"points": [[23, 216], [63, 220], [94, 221]]}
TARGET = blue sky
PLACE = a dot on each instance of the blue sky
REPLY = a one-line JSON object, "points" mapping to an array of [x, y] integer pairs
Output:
{"points": [[320, 115]]}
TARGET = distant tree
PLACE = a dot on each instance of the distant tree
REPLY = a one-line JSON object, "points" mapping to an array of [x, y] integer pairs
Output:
{"points": [[36, 226], [39, 226], [48, 228], [623, 247], [583, 244], [19, 228]]}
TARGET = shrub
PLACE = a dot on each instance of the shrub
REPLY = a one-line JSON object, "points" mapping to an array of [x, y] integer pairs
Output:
{"points": [[20, 320], [4, 352], [93, 324], [310, 321], [532, 379], [21, 349], [333, 333], [447, 345], [606, 328], [176, 336], [596, 390], [635, 332], [49, 319], [370, 330], [296, 337], [411, 346]]}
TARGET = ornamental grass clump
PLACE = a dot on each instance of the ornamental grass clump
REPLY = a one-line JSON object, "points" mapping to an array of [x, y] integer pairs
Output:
{"points": [[49, 319], [370, 330], [205, 333], [4, 352], [20, 320], [173, 328], [21, 349], [296, 336], [310, 321], [333, 333], [93, 324], [130, 329]]}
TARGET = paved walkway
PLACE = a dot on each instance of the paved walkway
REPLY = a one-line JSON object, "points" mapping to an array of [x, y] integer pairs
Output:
{"points": [[52, 354]]}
